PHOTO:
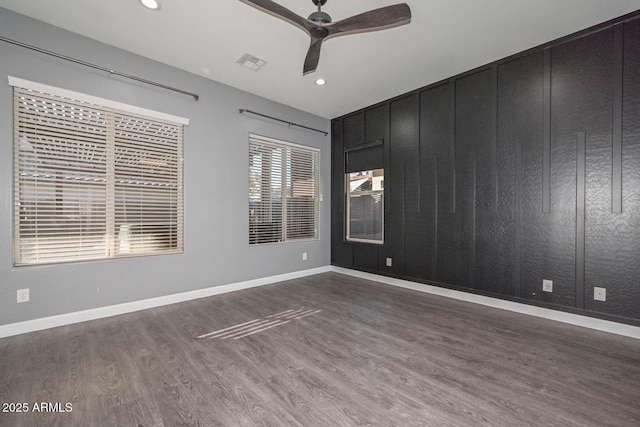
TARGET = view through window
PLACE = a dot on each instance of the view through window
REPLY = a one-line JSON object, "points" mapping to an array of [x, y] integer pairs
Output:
{"points": [[365, 206], [283, 191]]}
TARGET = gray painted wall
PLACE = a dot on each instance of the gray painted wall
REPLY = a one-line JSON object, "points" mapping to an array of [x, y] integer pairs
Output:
{"points": [[215, 175]]}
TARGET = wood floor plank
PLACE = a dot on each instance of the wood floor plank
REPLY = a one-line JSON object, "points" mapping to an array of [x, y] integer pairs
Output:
{"points": [[369, 354], [286, 385], [140, 412]]}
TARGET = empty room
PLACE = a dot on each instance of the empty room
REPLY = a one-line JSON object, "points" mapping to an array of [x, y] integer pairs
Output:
{"points": [[320, 213]]}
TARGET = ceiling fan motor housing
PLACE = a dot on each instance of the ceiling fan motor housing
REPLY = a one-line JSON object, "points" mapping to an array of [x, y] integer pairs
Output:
{"points": [[320, 17], [319, 33]]}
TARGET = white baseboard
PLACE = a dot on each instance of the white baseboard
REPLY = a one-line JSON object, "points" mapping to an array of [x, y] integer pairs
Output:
{"points": [[559, 316], [114, 310], [129, 307]]}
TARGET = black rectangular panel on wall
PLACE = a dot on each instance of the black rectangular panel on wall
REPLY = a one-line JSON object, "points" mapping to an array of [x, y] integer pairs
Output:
{"points": [[621, 246], [474, 182], [405, 129], [376, 123], [377, 129], [437, 124], [365, 256], [341, 251], [520, 157], [366, 158], [400, 180], [581, 102], [353, 126]]}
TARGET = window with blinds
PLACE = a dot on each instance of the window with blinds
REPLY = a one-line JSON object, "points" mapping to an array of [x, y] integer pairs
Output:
{"points": [[92, 181], [364, 180], [283, 191]]}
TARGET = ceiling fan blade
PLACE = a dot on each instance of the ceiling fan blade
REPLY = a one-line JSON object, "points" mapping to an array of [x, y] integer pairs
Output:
{"points": [[313, 56], [377, 19], [281, 12]]}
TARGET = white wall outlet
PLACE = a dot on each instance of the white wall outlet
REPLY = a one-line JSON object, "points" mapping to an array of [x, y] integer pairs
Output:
{"points": [[304, 256], [600, 294], [389, 263], [23, 295], [547, 285]]}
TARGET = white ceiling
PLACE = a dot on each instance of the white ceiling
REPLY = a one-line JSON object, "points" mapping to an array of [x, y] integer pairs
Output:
{"points": [[206, 37]]}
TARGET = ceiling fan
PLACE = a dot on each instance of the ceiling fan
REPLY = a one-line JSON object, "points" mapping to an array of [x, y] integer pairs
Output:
{"points": [[320, 28]]}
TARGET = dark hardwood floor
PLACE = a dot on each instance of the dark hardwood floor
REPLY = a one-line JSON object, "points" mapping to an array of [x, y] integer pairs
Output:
{"points": [[373, 355]]}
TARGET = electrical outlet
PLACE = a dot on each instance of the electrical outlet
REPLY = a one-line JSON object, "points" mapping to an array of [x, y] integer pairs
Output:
{"points": [[600, 294], [547, 285], [389, 263], [23, 295], [304, 256]]}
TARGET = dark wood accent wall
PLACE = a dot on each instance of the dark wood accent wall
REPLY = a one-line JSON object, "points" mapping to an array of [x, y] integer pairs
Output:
{"points": [[518, 171]]}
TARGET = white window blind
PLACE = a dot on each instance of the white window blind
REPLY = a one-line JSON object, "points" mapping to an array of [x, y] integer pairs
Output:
{"points": [[92, 181], [283, 191]]}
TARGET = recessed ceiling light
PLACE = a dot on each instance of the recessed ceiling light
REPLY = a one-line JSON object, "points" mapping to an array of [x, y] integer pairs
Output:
{"points": [[321, 82], [150, 4]]}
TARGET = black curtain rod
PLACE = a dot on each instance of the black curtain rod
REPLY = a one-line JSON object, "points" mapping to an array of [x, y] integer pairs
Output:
{"points": [[98, 67], [242, 111]]}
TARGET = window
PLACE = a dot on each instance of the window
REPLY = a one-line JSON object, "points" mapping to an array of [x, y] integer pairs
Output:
{"points": [[93, 181], [365, 206], [283, 191]]}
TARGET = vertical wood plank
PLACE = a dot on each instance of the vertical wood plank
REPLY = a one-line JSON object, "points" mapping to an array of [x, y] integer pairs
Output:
{"points": [[472, 221], [341, 250], [616, 145], [452, 150], [387, 190], [419, 148], [435, 216], [546, 142], [404, 214], [517, 207], [580, 217], [494, 138]]}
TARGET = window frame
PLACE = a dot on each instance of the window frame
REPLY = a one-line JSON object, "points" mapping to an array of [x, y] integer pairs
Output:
{"points": [[114, 111], [348, 196], [315, 152]]}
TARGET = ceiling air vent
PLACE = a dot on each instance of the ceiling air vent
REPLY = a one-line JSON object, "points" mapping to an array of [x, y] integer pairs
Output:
{"points": [[251, 62]]}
